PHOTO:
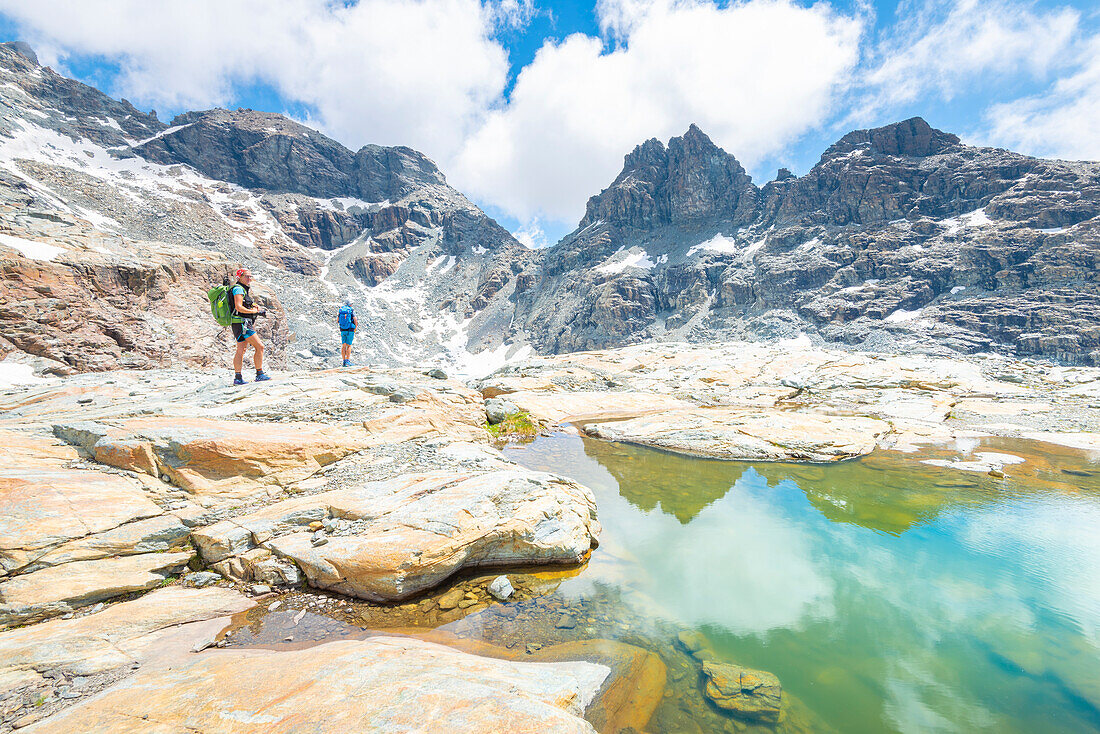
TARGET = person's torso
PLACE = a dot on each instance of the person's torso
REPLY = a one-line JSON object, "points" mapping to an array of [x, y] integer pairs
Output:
{"points": [[246, 299]]}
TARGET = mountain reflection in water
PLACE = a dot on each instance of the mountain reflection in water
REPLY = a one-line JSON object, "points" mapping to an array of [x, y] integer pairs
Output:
{"points": [[887, 594]]}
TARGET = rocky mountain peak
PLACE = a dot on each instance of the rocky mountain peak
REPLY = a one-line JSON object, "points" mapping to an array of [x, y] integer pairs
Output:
{"points": [[913, 137], [690, 179], [21, 48], [35, 96], [262, 150], [393, 172]]}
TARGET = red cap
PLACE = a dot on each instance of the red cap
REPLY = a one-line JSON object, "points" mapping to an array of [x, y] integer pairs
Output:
{"points": [[243, 271]]}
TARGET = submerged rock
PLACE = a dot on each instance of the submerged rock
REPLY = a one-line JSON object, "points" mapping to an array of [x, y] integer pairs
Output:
{"points": [[749, 694], [501, 588]]}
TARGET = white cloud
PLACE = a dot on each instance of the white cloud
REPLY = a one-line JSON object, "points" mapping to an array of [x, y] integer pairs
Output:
{"points": [[756, 75], [753, 75], [512, 13], [1063, 122], [531, 235], [381, 71], [941, 50]]}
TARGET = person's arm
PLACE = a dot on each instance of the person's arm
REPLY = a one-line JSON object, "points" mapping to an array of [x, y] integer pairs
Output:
{"points": [[240, 308], [355, 321]]}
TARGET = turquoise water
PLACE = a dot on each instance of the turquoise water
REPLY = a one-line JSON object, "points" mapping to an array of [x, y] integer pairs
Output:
{"points": [[886, 594]]}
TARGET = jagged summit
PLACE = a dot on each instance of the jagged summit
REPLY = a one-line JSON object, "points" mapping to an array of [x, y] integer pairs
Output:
{"points": [[690, 179]]}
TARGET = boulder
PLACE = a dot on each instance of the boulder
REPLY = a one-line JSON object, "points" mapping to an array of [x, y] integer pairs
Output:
{"points": [[501, 588], [199, 579], [409, 533], [747, 693], [498, 410]]}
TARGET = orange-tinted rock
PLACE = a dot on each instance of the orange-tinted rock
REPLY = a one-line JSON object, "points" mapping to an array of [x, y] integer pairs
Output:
{"points": [[381, 684], [749, 694]]}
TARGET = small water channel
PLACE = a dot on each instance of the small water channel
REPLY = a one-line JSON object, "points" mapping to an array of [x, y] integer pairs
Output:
{"points": [[887, 594]]}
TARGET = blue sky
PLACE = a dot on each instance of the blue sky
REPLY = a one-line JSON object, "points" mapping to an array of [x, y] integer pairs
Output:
{"points": [[528, 105]]}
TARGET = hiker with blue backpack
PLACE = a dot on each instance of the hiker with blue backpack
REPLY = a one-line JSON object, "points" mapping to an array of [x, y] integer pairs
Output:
{"points": [[348, 323], [232, 306]]}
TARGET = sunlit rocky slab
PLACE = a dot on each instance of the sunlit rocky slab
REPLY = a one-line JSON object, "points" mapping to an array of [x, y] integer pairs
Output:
{"points": [[406, 534], [20, 448], [206, 456], [381, 684], [58, 589], [726, 433], [116, 637], [925, 399], [556, 407], [44, 506]]}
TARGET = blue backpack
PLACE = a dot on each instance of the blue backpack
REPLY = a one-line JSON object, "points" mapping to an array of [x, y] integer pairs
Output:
{"points": [[346, 318]]}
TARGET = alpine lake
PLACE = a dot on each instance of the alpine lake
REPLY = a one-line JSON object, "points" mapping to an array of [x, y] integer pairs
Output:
{"points": [[886, 593]]}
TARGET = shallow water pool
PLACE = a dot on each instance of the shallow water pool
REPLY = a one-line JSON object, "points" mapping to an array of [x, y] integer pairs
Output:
{"points": [[887, 594]]}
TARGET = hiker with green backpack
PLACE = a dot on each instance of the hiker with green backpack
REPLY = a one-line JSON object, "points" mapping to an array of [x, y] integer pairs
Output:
{"points": [[232, 306]]}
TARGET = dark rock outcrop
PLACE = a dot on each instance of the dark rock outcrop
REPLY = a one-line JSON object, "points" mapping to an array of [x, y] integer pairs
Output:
{"points": [[261, 150], [690, 180]]}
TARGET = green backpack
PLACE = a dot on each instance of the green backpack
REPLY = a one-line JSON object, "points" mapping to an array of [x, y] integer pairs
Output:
{"points": [[220, 305]]}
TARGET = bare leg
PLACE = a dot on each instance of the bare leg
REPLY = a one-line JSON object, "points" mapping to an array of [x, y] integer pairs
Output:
{"points": [[258, 355], [238, 358]]}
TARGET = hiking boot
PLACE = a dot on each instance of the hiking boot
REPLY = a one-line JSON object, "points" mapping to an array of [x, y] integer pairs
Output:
{"points": [[347, 363], [261, 376], [238, 380]]}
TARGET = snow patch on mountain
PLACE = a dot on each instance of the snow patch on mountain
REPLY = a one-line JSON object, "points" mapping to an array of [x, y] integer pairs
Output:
{"points": [[635, 258], [718, 243], [30, 248]]}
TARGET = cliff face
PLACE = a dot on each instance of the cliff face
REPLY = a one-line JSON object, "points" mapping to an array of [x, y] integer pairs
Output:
{"points": [[75, 300], [900, 237]]}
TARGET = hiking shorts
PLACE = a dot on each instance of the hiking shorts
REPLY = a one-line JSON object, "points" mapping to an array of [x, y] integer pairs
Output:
{"points": [[346, 336], [242, 331]]}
